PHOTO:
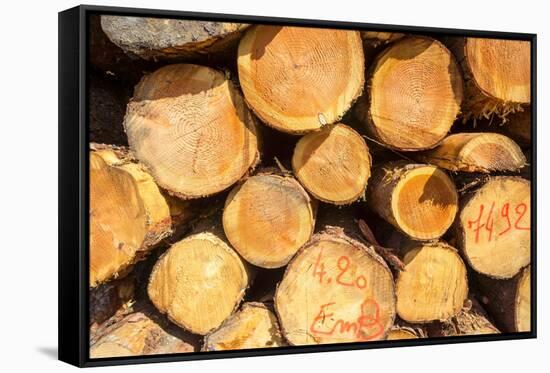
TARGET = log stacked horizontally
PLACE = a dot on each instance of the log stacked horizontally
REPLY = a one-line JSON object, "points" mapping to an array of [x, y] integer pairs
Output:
{"points": [[275, 186]]}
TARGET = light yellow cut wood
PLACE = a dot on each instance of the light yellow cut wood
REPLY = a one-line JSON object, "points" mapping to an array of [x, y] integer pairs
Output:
{"points": [[434, 284], [476, 152], [297, 79], [118, 220], [190, 127], [335, 290], [254, 326], [268, 218], [333, 164], [494, 227], [198, 282], [380, 37], [523, 299], [420, 200], [501, 68], [414, 96], [139, 334]]}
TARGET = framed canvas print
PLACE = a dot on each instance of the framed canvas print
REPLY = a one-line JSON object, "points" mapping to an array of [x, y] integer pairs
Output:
{"points": [[234, 186]]}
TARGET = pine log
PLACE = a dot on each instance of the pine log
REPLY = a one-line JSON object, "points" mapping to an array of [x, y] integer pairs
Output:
{"points": [[518, 127], [267, 218], [336, 289], [199, 281], [419, 200], [476, 152], [298, 79], [471, 320], [414, 91], [129, 214], [497, 75], [190, 126], [154, 38], [434, 284], [142, 333], [494, 227], [508, 301], [110, 298], [254, 326], [333, 164]]}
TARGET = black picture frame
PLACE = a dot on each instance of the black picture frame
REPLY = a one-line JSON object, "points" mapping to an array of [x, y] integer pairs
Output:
{"points": [[73, 331]]}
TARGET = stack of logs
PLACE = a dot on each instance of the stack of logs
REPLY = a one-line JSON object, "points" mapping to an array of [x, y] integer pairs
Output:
{"points": [[269, 186]]}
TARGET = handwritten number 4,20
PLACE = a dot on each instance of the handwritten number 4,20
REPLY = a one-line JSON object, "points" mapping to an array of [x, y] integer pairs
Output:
{"points": [[342, 278], [477, 225]]}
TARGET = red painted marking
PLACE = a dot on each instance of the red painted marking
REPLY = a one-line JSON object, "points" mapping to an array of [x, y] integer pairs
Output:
{"points": [[521, 209], [343, 266], [366, 327], [319, 268], [479, 223]]}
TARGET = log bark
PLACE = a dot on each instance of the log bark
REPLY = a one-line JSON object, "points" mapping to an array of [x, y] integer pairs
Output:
{"points": [[107, 106], [268, 217], [420, 200], [476, 152], [142, 333], [493, 226], [434, 284], [471, 320], [110, 298], [129, 214], [333, 164], [190, 126], [254, 326], [200, 280], [508, 301], [298, 79], [336, 289], [518, 127], [497, 75], [380, 38], [413, 95], [160, 38]]}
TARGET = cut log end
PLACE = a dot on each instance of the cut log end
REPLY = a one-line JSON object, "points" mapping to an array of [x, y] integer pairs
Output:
{"points": [[335, 290], [402, 333], [201, 272], [118, 220], [254, 326], [501, 68], [476, 152], [433, 285], [333, 164], [494, 227], [190, 126], [415, 94], [268, 218], [298, 79], [420, 200], [140, 334]]}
